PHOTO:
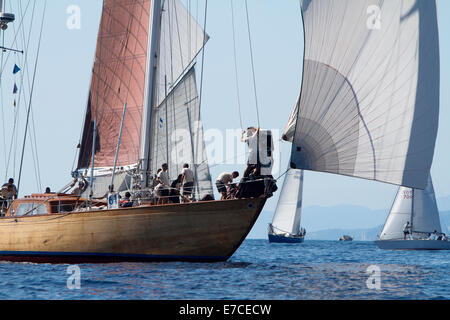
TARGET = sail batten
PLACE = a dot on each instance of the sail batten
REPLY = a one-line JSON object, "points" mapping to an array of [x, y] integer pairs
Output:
{"points": [[369, 103]]}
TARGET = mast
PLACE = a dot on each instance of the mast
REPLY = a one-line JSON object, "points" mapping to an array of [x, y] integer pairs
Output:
{"points": [[152, 56], [5, 18]]}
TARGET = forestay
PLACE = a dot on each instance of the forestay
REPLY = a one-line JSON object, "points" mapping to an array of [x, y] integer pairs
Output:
{"points": [[369, 103]]}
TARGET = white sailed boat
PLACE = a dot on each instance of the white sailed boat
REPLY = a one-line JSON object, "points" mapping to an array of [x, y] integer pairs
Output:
{"points": [[285, 227], [369, 102], [416, 209]]}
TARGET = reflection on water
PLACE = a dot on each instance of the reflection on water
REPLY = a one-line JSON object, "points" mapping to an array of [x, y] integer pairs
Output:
{"points": [[259, 270]]}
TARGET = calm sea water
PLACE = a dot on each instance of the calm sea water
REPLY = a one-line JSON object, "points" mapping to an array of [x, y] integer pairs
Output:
{"points": [[258, 270]]}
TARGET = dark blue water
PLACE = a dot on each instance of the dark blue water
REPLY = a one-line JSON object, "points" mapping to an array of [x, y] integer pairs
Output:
{"points": [[258, 270]]}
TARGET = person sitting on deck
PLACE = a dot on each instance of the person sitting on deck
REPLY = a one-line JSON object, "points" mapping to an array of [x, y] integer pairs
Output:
{"points": [[187, 180], [231, 191], [81, 188], [252, 186], [126, 202], [162, 189], [174, 194], [223, 181], [48, 191]]}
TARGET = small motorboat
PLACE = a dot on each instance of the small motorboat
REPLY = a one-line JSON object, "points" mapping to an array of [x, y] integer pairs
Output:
{"points": [[346, 238]]}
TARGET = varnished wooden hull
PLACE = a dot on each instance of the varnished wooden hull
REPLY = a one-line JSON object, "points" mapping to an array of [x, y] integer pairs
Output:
{"points": [[202, 231]]}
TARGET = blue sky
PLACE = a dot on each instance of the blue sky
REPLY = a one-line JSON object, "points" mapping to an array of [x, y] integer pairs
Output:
{"points": [[64, 73]]}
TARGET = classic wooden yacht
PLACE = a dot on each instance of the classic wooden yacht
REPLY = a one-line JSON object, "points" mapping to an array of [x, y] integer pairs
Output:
{"points": [[144, 71], [56, 228]]}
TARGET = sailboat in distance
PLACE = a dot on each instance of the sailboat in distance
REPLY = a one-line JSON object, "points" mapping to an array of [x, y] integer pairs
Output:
{"points": [[285, 226], [413, 222], [369, 102], [143, 111]]}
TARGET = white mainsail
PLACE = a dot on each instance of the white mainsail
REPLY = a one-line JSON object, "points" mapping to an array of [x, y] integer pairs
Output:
{"points": [[418, 207], [369, 103], [289, 208], [181, 39], [176, 131], [178, 137], [425, 215]]}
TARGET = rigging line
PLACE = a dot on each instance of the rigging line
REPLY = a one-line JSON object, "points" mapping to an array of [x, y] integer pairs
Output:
{"points": [[14, 137], [22, 86], [199, 126], [33, 125], [1, 93], [2, 67], [235, 66], [31, 94], [253, 64]]}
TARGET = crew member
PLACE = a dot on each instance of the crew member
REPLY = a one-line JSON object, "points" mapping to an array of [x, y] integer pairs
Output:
{"points": [[187, 182], [223, 181]]}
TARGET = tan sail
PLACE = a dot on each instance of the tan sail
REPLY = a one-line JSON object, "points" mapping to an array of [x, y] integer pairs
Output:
{"points": [[118, 77]]}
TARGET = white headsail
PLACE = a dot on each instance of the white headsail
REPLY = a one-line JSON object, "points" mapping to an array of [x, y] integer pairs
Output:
{"points": [[399, 215], [289, 208], [369, 103], [419, 208], [181, 39]]}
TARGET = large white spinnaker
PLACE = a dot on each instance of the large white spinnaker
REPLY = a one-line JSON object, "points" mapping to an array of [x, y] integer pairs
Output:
{"points": [[369, 102], [418, 207], [289, 208]]}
